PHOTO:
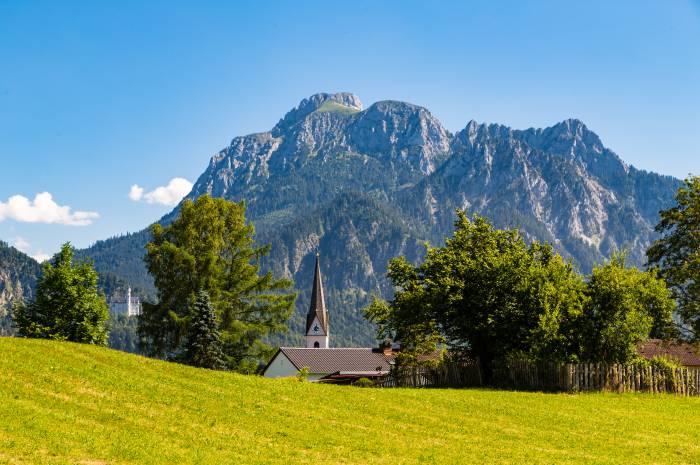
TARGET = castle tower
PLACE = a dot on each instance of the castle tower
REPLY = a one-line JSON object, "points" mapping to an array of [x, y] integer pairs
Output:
{"points": [[317, 318], [128, 302]]}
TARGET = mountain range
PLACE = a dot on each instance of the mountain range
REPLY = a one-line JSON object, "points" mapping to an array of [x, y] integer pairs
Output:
{"points": [[361, 186]]}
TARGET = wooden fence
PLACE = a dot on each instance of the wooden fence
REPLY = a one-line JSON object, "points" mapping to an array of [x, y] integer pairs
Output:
{"points": [[597, 377], [455, 374], [553, 377]]}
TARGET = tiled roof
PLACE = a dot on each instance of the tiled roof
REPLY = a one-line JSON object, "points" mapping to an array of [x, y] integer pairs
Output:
{"points": [[337, 360], [687, 354]]}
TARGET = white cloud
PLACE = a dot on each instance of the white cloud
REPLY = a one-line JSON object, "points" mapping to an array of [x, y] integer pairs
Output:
{"points": [[43, 209], [168, 195], [136, 193], [22, 244], [40, 256]]}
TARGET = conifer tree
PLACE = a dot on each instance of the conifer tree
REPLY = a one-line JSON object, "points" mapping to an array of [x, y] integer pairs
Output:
{"points": [[68, 304], [204, 346]]}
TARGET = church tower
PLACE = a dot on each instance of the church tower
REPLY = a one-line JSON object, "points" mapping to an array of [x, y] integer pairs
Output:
{"points": [[317, 318]]}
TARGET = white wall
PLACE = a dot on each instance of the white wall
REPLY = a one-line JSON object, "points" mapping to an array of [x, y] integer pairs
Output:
{"points": [[320, 337], [281, 367], [322, 341]]}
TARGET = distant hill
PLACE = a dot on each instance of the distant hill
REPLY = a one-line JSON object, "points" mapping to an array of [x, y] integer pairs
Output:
{"points": [[18, 275], [364, 185], [90, 405]]}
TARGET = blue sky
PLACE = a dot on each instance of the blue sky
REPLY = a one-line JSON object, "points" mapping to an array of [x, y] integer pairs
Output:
{"points": [[98, 96]]}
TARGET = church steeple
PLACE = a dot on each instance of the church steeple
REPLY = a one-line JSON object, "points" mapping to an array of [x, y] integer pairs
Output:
{"points": [[317, 318]]}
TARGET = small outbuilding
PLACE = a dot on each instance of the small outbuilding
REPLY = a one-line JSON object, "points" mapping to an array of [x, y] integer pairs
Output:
{"points": [[330, 364]]}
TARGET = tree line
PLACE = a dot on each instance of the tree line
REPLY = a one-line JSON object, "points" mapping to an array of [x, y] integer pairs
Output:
{"points": [[490, 294], [214, 306], [487, 293]]}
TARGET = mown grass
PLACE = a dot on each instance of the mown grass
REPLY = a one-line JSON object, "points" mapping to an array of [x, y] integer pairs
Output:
{"points": [[63, 403]]}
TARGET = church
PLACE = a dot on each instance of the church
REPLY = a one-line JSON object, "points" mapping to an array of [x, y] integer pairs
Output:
{"points": [[326, 363]]}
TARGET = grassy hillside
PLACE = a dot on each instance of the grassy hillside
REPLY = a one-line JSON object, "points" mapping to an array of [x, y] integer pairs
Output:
{"points": [[64, 403]]}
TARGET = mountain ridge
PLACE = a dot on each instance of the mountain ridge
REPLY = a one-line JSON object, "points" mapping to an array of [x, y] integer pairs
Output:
{"points": [[18, 277], [393, 167]]}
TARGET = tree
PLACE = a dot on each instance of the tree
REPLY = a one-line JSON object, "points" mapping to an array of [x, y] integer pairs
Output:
{"points": [[210, 247], [490, 294], [624, 306], [203, 348], [68, 304], [485, 292], [677, 252]]}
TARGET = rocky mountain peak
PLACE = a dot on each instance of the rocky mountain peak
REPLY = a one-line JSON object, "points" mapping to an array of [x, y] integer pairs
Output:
{"points": [[402, 131], [316, 102], [565, 135]]}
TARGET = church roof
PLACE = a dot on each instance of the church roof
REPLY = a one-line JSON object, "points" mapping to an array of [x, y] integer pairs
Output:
{"points": [[363, 360], [317, 307]]}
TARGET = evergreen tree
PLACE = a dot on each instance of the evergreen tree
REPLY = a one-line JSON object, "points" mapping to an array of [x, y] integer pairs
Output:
{"points": [[68, 304], [204, 348], [210, 247]]}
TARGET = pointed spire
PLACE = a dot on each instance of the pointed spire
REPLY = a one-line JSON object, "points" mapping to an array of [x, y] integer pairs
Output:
{"points": [[317, 308]]}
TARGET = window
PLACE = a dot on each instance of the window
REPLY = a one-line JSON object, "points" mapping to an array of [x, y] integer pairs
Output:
{"points": [[316, 345]]}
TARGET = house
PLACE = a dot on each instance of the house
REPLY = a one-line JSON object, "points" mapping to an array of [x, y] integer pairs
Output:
{"points": [[325, 362], [685, 353], [330, 364]]}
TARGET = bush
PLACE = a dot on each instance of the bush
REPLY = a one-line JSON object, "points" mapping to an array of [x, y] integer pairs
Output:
{"points": [[665, 366], [363, 383], [303, 374]]}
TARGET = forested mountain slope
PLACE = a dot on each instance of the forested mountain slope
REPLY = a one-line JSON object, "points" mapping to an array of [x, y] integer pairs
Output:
{"points": [[363, 185], [18, 275]]}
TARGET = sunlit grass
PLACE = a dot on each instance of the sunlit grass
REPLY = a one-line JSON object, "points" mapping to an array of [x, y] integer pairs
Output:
{"points": [[64, 403], [335, 107]]}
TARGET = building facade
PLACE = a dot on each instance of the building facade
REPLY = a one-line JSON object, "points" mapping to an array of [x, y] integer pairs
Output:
{"points": [[128, 305]]}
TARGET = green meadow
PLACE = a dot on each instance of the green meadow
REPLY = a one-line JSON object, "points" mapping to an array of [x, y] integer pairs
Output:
{"points": [[64, 403]]}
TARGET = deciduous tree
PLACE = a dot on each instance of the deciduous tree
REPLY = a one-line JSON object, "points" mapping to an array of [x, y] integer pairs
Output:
{"points": [[677, 253], [490, 294], [487, 292], [624, 307]]}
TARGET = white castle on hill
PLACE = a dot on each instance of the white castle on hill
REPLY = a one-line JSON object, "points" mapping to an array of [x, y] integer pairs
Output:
{"points": [[129, 306]]}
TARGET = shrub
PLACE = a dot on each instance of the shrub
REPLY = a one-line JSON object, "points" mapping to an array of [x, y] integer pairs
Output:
{"points": [[363, 383], [303, 374], [664, 366]]}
